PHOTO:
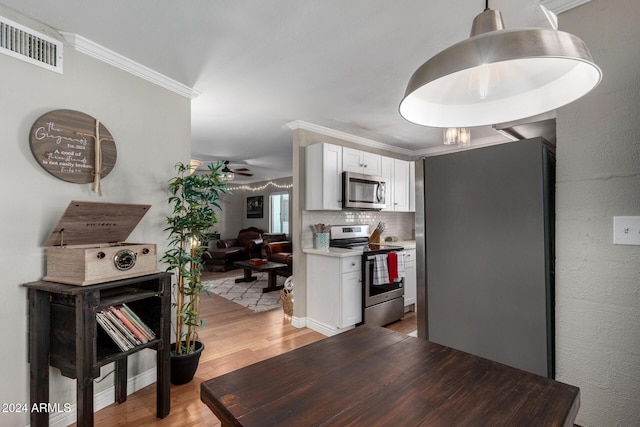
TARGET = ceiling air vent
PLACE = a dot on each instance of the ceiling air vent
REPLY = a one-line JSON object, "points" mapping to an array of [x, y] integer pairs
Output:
{"points": [[36, 48]]}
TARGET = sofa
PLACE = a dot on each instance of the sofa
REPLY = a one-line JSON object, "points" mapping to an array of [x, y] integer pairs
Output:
{"points": [[248, 244], [280, 252]]}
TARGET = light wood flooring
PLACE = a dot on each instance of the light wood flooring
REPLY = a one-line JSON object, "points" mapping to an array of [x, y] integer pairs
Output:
{"points": [[234, 337]]}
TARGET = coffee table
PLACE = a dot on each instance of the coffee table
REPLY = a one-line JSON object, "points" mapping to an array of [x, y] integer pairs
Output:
{"points": [[269, 267]]}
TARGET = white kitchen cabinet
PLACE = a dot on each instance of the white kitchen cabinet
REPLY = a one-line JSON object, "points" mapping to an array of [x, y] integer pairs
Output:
{"points": [[398, 174], [361, 162], [400, 185], [323, 177], [351, 294], [387, 174], [334, 293], [410, 279]]}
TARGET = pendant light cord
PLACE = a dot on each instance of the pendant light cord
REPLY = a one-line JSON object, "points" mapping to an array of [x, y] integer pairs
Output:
{"points": [[486, 5]]}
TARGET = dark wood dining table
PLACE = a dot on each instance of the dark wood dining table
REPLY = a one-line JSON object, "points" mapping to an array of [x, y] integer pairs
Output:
{"points": [[372, 376]]}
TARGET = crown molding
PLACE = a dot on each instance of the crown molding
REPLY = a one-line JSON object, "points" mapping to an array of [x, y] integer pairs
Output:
{"points": [[475, 143], [110, 57], [300, 124], [426, 152], [559, 6]]}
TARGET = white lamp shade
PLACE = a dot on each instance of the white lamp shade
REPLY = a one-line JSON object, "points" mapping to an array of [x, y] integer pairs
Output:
{"points": [[500, 76]]}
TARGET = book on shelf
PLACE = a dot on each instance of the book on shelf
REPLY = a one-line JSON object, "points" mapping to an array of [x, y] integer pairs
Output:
{"points": [[126, 324], [111, 314], [113, 332], [124, 327], [143, 327]]}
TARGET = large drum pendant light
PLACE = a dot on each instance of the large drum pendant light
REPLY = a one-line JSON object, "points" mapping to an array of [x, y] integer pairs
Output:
{"points": [[499, 75]]}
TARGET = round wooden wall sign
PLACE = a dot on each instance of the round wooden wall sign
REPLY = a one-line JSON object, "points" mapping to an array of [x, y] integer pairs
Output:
{"points": [[64, 144]]}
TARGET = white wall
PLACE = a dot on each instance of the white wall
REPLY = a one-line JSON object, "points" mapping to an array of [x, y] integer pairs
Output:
{"points": [[598, 176], [151, 127]]}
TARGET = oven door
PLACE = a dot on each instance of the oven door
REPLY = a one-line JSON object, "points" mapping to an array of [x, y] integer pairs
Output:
{"points": [[377, 294], [363, 191]]}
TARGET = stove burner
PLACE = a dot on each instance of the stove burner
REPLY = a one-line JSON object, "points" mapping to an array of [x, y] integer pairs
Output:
{"points": [[365, 246]]}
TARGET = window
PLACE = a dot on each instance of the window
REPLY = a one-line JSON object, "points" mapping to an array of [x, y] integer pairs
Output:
{"points": [[279, 213]]}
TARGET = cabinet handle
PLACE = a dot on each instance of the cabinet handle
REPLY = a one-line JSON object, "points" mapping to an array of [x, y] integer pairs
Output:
{"points": [[353, 264]]}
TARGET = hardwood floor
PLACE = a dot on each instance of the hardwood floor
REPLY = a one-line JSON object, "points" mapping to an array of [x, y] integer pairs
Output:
{"points": [[234, 337]]}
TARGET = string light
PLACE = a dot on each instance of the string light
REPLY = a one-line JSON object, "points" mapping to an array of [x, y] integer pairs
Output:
{"points": [[261, 187]]}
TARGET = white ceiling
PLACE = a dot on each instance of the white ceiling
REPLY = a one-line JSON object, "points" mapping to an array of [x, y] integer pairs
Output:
{"points": [[341, 64]]}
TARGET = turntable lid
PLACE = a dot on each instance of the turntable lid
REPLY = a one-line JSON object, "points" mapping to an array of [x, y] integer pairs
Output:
{"points": [[86, 223]]}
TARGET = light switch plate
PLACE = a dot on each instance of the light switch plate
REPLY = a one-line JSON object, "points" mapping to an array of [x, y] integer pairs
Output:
{"points": [[626, 230]]}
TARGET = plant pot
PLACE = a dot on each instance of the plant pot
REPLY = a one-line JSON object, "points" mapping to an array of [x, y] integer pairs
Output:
{"points": [[184, 366]]}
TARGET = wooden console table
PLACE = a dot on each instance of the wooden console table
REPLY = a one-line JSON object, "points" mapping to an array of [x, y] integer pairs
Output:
{"points": [[374, 376], [63, 333]]}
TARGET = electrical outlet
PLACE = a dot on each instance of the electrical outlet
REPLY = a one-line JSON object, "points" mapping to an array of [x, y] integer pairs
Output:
{"points": [[626, 230]]}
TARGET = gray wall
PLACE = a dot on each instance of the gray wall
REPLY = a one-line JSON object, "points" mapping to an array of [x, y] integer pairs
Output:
{"points": [[598, 166], [151, 127]]}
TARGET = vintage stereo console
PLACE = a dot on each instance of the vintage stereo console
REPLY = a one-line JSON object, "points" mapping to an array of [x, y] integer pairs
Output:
{"points": [[86, 246]]}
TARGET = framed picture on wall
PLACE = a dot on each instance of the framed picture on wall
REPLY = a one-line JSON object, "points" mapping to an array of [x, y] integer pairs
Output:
{"points": [[255, 207]]}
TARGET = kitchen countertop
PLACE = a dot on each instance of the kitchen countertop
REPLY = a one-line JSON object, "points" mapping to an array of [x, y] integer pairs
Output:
{"points": [[333, 252], [341, 253]]}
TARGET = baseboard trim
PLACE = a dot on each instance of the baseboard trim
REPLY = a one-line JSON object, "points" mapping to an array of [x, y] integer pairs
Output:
{"points": [[325, 329], [298, 322], [105, 398]]}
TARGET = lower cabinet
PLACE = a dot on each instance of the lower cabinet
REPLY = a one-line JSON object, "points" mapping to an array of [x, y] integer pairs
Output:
{"points": [[410, 279], [334, 293]]}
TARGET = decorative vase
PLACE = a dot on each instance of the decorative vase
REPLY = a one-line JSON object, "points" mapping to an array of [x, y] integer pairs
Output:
{"points": [[322, 241], [184, 366]]}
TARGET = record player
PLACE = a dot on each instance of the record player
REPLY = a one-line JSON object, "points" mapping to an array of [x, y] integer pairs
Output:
{"points": [[87, 245]]}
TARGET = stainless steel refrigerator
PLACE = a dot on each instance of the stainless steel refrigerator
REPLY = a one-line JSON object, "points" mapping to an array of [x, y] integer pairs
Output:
{"points": [[485, 228]]}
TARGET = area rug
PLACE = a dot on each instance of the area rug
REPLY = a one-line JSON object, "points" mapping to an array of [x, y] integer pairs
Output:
{"points": [[247, 294]]}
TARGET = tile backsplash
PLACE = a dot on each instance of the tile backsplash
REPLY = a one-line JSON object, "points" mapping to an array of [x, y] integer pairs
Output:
{"points": [[400, 224]]}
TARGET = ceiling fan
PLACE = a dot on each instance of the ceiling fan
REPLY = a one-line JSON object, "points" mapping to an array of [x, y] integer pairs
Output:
{"points": [[239, 171]]}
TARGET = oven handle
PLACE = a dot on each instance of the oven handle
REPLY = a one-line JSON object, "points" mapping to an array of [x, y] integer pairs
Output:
{"points": [[371, 257]]}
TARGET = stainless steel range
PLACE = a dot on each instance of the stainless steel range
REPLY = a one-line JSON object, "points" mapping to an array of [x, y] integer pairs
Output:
{"points": [[383, 294]]}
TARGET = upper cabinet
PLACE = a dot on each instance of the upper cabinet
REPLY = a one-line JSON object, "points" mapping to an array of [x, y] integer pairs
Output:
{"points": [[323, 175], [324, 164], [387, 174], [361, 162], [400, 184]]}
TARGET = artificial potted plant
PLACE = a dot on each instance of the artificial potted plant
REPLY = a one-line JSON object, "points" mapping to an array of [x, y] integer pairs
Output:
{"points": [[194, 199]]}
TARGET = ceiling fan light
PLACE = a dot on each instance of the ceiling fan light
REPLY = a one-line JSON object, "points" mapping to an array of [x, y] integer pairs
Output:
{"points": [[498, 76]]}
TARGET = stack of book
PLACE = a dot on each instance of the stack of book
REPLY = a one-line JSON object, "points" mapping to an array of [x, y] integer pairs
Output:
{"points": [[124, 327]]}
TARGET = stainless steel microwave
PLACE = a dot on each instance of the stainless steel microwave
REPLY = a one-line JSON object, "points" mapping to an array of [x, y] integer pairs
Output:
{"points": [[361, 191]]}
